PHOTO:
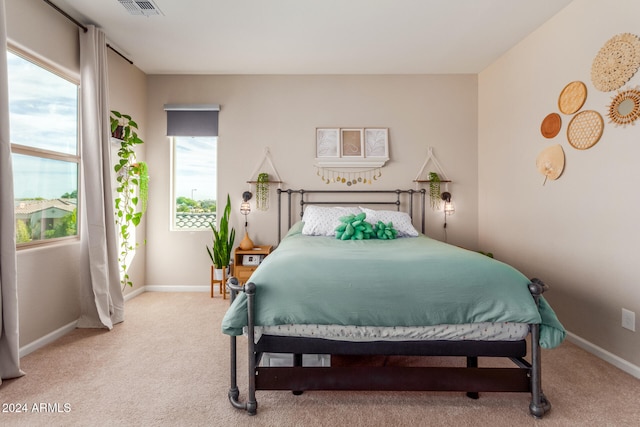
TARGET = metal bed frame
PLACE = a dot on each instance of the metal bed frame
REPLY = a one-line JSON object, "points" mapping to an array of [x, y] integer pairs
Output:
{"points": [[396, 199], [472, 379]]}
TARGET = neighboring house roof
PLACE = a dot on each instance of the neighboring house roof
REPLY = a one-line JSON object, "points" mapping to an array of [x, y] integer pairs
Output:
{"points": [[26, 208]]}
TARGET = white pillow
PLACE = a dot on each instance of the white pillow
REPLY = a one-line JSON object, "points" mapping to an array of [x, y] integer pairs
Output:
{"points": [[322, 221], [401, 221]]}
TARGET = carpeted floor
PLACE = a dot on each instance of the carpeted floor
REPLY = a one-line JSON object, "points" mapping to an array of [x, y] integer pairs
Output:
{"points": [[168, 365]]}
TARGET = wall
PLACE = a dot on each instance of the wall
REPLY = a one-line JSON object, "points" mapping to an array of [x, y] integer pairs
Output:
{"points": [[579, 233], [48, 277], [44, 33], [282, 112]]}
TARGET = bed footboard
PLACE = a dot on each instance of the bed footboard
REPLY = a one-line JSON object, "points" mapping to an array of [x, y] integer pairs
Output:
{"points": [[251, 405], [525, 377], [539, 404]]}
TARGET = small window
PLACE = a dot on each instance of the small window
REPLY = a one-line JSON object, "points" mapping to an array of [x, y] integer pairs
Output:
{"points": [[194, 182], [43, 117]]}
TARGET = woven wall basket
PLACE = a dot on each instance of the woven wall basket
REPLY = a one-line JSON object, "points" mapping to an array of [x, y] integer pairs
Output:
{"points": [[551, 125], [616, 62], [585, 129], [572, 97]]}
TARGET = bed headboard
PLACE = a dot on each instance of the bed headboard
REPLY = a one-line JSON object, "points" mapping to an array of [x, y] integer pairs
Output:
{"points": [[408, 200]]}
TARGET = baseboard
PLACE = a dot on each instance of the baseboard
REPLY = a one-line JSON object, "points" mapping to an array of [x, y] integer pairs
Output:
{"points": [[163, 288], [47, 339], [603, 354], [134, 294]]}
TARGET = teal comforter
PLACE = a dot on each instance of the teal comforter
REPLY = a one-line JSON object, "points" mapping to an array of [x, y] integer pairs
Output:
{"points": [[404, 282]]}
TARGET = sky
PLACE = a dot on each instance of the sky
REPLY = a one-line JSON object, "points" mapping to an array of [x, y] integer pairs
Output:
{"points": [[43, 110], [195, 167]]}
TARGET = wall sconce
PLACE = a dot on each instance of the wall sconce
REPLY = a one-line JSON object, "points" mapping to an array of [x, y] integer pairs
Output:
{"points": [[245, 209], [449, 208]]}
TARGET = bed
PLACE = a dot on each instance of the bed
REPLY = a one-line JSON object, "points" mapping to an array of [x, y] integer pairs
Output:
{"points": [[410, 295]]}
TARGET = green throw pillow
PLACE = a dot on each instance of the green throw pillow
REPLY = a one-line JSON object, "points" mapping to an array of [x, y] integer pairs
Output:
{"points": [[354, 227], [385, 231]]}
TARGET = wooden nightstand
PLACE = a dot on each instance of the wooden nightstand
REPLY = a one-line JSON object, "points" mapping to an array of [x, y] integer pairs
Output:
{"points": [[243, 272]]}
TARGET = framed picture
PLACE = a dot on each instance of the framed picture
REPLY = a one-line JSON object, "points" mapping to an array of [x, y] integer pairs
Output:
{"points": [[352, 142], [376, 142], [327, 142]]}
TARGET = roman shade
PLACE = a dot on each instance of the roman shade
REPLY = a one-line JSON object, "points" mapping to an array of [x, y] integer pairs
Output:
{"points": [[192, 119]]}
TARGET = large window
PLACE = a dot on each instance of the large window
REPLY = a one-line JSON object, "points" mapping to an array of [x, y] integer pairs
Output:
{"points": [[43, 115], [194, 182]]}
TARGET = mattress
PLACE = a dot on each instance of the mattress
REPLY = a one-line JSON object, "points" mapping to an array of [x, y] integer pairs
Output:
{"points": [[484, 331]]}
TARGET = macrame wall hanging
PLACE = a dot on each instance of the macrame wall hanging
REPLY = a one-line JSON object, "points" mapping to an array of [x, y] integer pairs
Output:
{"points": [[262, 180], [435, 179]]}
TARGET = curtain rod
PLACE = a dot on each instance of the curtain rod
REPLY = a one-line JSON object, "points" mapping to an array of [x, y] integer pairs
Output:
{"points": [[79, 24]]}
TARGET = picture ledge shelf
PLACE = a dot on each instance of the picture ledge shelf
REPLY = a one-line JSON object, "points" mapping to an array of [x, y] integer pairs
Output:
{"points": [[351, 163]]}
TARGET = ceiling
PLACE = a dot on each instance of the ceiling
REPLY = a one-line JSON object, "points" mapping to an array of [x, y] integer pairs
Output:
{"points": [[316, 36]]}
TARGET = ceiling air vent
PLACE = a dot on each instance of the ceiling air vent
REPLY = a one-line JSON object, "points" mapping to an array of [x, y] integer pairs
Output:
{"points": [[141, 7]]}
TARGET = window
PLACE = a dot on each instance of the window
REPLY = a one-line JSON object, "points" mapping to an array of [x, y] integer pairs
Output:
{"points": [[43, 117], [194, 182], [193, 129]]}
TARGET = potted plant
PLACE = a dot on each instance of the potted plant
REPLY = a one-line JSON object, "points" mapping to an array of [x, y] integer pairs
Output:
{"points": [[132, 188], [223, 239], [434, 190], [262, 192]]}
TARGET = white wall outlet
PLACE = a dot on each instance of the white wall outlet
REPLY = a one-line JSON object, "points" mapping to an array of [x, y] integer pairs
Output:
{"points": [[629, 319]]}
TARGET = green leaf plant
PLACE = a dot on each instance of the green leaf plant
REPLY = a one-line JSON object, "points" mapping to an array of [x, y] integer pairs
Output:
{"points": [[223, 239], [434, 190], [262, 192], [132, 186]]}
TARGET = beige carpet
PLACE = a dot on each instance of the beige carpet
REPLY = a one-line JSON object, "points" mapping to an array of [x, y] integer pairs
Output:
{"points": [[167, 365]]}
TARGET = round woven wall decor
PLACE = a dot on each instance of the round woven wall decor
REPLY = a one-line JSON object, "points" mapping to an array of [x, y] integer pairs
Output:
{"points": [[572, 97], [551, 125], [585, 129], [616, 62], [625, 107]]}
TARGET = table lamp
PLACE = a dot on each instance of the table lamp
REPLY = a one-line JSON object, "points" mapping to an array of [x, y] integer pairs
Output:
{"points": [[245, 209]]}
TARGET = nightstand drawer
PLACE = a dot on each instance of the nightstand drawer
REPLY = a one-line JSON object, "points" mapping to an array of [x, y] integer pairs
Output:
{"points": [[243, 273]]}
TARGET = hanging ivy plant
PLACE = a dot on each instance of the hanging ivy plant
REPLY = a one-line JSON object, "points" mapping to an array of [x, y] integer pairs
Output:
{"points": [[143, 190], [434, 190], [262, 192], [132, 189]]}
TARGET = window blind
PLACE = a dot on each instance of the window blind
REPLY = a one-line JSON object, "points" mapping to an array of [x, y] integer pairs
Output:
{"points": [[192, 119]]}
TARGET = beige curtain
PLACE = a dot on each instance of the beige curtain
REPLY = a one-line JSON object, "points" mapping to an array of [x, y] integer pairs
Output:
{"points": [[9, 340], [102, 302]]}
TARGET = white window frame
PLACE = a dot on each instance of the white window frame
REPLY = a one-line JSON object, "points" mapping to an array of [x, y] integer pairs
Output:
{"points": [[173, 190], [53, 155]]}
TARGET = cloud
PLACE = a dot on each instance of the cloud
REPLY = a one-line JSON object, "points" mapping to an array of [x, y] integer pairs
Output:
{"points": [[196, 167], [43, 113]]}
